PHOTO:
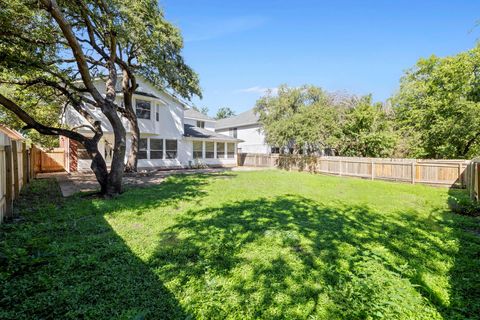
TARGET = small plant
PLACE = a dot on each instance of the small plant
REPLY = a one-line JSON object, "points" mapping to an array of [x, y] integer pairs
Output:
{"points": [[464, 206]]}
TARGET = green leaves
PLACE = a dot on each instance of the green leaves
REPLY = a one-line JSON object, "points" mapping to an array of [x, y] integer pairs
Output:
{"points": [[438, 106], [311, 119]]}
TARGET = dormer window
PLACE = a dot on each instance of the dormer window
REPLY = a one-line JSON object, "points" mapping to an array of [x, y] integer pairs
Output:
{"points": [[143, 109], [200, 124]]}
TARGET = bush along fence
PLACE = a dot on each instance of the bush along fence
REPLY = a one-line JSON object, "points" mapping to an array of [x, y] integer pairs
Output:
{"points": [[19, 163], [451, 173]]}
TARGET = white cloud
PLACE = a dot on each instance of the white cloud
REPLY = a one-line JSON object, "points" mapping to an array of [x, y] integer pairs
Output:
{"points": [[259, 90]]}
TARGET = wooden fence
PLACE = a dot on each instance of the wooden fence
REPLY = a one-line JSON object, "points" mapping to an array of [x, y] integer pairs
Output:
{"points": [[473, 179], [19, 163], [15, 172], [451, 173]]}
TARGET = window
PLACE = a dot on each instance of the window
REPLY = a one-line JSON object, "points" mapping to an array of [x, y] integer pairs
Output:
{"points": [[220, 150], [171, 149], [275, 150], [209, 150], [156, 148], [232, 132], [157, 113], [197, 149], [200, 124], [230, 150], [143, 109], [142, 149]]}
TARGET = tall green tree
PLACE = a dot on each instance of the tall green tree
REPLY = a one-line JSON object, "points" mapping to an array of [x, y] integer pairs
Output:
{"points": [[60, 47], [224, 112], [438, 107], [301, 118], [366, 130]]}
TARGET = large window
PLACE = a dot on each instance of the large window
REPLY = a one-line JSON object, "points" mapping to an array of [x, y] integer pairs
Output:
{"points": [[156, 148], [142, 149], [232, 132], [200, 124], [230, 150], [143, 109], [209, 150], [220, 150], [171, 149], [197, 149]]}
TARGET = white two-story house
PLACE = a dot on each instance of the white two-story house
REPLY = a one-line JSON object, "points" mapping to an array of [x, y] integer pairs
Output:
{"points": [[246, 127], [171, 134]]}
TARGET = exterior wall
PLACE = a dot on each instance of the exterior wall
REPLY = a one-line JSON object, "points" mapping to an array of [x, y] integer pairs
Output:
{"points": [[253, 137], [209, 125], [170, 125]]}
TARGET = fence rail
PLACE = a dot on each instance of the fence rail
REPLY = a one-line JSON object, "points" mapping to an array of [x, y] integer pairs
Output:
{"points": [[452, 173]]}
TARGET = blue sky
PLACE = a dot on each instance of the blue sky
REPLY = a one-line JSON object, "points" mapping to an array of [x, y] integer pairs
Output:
{"points": [[241, 48]]}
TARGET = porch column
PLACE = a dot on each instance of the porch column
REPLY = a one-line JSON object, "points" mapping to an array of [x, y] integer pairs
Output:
{"points": [[203, 149], [215, 150], [164, 153], [225, 154]]}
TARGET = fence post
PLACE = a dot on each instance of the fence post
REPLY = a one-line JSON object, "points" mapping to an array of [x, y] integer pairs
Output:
{"points": [[373, 169], [413, 172], [460, 178], [8, 180], [32, 162], [477, 176], [24, 163], [16, 186]]}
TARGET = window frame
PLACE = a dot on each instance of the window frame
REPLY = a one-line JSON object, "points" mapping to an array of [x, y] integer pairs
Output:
{"points": [[141, 150], [201, 124], [137, 101], [168, 151], [195, 152], [230, 155], [220, 146], [156, 150], [207, 152]]}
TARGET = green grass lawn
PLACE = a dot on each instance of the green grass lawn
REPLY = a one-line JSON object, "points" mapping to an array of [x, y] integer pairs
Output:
{"points": [[242, 245]]}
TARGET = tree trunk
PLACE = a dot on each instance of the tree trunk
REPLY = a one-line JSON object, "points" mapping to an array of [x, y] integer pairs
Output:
{"points": [[114, 180], [98, 166], [129, 85], [132, 160]]}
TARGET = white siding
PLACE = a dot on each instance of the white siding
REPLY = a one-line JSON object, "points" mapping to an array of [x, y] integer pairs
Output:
{"points": [[253, 137]]}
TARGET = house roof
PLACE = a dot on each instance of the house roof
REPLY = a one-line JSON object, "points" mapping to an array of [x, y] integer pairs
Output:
{"points": [[196, 132], [194, 114], [243, 119], [11, 133]]}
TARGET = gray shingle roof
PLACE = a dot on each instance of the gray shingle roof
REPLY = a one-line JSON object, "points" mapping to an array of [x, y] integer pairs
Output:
{"points": [[194, 114], [243, 119], [196, 132]]}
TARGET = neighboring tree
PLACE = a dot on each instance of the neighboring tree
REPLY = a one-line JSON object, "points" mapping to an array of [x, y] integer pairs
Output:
{"points": [[438, 107], [46, 111], [299, 119], [58, 48], [224, 112], [366, 130], [203, 110]]}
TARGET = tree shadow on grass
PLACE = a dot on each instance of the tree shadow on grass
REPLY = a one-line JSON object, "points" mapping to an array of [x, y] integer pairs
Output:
{"points": [[465, 274], [64, 261], [282, 257], [292, 257]]}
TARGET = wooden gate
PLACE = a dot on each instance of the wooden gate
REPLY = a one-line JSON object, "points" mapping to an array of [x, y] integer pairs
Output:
{"points": [[51, 160]]}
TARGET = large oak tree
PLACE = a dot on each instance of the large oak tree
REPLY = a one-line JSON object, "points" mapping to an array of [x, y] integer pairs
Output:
{"points": [[58, 49]]}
